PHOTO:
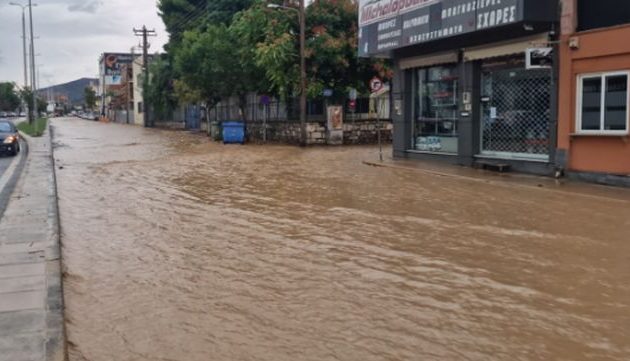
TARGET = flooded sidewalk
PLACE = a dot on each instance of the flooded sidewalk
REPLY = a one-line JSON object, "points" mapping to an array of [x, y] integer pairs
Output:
{"points": [[176, 248]]}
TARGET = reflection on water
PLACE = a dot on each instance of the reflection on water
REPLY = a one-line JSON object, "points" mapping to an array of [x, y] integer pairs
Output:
{"points": [[180, 249]]}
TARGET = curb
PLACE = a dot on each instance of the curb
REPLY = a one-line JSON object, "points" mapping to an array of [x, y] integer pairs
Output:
{"points": [[56, 345], [501, 183], [55, 331]]}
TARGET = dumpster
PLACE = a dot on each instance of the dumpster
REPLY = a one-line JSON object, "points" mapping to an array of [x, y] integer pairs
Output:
{"points": [[234, 132]]}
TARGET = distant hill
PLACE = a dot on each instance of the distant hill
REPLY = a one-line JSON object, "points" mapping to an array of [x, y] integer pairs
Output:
{"points": [[73, 90]]}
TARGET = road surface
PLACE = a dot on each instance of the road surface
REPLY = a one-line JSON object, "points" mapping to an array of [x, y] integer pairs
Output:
{"points": [[176, 248]]}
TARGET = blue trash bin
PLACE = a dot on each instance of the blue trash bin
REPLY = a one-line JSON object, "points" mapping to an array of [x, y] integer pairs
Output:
{"points": [[233, 133]]}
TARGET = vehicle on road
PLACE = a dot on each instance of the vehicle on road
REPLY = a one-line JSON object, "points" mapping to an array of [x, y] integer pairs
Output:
{"points": [[9, 138]]}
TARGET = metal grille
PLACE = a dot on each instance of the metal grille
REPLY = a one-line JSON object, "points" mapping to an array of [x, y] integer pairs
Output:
{"points": [[516, 113]]}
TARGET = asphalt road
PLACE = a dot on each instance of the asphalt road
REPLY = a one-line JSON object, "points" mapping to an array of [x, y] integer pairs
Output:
{"points": [[5, 162], [7, 188]]}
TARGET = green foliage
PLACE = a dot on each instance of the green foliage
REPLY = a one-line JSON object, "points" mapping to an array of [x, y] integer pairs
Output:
{"points": [[240, 46], [158, 90], [332, 39], [180, 16], [36, 129], [90, 98], [42, 105], [9, 97], [204, 62], [268, 40]]}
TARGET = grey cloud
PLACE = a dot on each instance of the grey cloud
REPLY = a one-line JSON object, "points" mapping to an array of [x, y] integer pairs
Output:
{"points": [[85, 6]]}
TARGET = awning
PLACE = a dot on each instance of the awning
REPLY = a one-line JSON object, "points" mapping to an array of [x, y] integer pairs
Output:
{"points": [[428, 60], [504, 48]]}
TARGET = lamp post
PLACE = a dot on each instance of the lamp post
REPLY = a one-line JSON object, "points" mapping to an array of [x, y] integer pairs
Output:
{"points": [[302, 18], [33, 86], [23, 7]]}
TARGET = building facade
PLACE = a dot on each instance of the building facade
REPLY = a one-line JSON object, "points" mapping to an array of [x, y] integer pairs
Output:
{"points": [[462, 90], [594, 117]]}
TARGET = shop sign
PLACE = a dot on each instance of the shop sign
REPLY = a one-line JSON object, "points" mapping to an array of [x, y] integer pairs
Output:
{"points": [[390, 24], [539, 58], [113, 65], [429, 144]]}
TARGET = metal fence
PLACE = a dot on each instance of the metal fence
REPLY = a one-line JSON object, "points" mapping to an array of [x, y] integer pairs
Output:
{"points": [[288, 111], [516, 113]]}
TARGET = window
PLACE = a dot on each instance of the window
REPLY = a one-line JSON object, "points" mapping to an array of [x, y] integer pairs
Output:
{"points": [[603, 101], [140, 107], [602, 13]]}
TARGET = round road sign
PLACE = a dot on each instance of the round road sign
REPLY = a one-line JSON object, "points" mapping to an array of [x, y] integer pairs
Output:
{"points": [[376, 84]]}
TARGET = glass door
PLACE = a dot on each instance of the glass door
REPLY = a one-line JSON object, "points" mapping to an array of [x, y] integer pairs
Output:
{"points": [[436, 109]]}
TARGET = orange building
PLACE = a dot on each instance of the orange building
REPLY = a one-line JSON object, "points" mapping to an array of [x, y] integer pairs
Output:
{"points": [[594, 91]]}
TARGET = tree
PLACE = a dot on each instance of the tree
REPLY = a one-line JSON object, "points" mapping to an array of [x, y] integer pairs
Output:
{"points": [[159, 88], [331, 48], [42, 105], [26, 94], [180, 16], [89, 95], [204, 62], [267, 40], [9, 97]]}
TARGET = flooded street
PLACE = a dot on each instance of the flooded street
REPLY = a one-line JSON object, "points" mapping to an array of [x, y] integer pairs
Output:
{"points": [[176, 248]]}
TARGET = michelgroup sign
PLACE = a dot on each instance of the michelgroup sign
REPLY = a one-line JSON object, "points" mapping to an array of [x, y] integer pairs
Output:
{"points": [[390, 24]]}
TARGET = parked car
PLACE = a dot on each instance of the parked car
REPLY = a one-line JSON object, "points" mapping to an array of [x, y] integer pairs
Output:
{"points": [[9, 138], [3, 114]]}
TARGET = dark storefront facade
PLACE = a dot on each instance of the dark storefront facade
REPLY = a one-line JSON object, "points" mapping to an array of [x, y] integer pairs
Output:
{"points": [[462, 91]]}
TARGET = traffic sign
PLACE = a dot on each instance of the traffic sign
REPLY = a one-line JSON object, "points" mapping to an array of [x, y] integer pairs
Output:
{"points": [[328, 92], [376, 84]]}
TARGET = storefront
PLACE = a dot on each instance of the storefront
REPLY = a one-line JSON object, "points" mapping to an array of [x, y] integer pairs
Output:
{"points": [[462, 91]]}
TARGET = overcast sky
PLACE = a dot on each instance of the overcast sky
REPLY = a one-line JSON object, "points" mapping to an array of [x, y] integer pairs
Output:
{"points": [[72, 35]]}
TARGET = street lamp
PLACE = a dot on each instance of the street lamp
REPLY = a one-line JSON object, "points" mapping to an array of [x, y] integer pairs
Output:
{"points": [[30, 14], [23, 7], [302, 18]]}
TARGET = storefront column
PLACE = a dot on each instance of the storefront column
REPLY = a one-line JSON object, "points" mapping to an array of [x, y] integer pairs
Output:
{"points": [[469, 113], [401, 110]]}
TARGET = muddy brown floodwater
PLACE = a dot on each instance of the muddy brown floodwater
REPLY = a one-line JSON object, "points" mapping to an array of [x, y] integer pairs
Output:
{"points": [[176, 248]]}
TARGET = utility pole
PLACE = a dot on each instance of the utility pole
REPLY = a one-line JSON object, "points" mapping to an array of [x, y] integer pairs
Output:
{"points": [[303, 73], [33, 88], [145, 67], [301, 11]]}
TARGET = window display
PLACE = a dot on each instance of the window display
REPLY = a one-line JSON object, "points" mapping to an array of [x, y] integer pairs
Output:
{"points": [[436, 107]]}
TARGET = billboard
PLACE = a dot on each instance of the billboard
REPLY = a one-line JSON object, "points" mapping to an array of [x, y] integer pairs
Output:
{"points": [[385, 25], [113, 66]]}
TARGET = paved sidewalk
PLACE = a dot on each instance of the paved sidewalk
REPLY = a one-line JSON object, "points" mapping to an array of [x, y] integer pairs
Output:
{"points": [[31, 300]]}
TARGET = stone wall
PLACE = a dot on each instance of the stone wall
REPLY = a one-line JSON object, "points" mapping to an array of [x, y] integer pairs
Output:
{"points": [[360, 132]]}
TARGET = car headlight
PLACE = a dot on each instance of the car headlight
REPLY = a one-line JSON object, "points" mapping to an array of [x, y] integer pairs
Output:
{"points": [[9, 140]]}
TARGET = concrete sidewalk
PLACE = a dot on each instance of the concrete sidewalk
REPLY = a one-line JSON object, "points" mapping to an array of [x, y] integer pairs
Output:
{"points": [[31, 299]]}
